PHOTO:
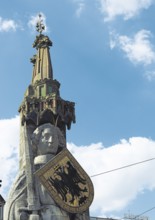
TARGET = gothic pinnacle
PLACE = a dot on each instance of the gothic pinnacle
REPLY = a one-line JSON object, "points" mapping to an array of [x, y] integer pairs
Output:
{"points": [[42, 102]]}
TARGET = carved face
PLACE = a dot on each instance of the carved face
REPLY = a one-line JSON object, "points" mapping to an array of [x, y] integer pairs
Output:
{"points": [[48, 142], [46, 137]]}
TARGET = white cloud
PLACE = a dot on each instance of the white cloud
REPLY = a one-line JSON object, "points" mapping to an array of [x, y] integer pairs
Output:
{"points": [[80, 7], [138, 49], [110, 193], [126, 8], [34, 19], [150, 75], [9, 139], [7, 25]]}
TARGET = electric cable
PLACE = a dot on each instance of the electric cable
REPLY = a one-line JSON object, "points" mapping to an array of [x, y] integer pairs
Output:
{"points": [[126, 218], [123, 167], [137, 216], [119, 168]]}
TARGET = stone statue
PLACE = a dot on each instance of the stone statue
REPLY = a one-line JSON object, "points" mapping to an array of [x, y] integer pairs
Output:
{"points": [[46, 141], [44, 119]]}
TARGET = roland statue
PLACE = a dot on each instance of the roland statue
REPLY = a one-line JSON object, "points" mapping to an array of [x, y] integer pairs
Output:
{"points": [[44, 118]]}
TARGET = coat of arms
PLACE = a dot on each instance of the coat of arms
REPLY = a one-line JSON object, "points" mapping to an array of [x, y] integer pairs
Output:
{"points": [[67, 182]]}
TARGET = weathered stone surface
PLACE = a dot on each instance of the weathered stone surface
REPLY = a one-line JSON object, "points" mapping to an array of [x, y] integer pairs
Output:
{"points": [[44, 119], [33, 201], [45, 141]]}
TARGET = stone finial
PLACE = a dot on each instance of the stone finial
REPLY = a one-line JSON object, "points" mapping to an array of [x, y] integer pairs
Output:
{"points": [[40, 27]]}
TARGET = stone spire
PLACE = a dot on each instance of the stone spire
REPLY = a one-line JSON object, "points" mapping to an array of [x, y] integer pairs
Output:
{"points": [[41, 61], [42, 102]]}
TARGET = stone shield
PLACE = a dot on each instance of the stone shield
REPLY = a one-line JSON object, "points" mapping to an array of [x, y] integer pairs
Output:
{"points": [[67, 183]]}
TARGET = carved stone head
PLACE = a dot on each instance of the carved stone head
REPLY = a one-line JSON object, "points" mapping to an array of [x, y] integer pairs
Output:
{"points": [[46, 139]]}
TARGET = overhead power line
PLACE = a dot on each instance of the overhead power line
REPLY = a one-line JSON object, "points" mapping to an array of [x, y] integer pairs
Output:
{"points": [[131, 218], [137, 216], [120, 168], [145, 212]]}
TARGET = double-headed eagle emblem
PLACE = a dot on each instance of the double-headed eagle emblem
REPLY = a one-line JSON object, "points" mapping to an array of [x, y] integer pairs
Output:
{"points": [[67, 182]]}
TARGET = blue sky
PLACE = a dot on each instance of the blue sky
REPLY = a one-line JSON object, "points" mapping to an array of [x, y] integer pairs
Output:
{"points": [[103, 55]]}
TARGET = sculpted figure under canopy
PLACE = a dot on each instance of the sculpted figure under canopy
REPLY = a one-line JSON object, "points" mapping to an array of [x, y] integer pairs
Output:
{"points": [[46, 141], [42, 104]]}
